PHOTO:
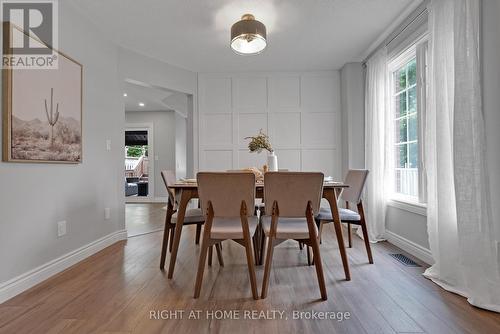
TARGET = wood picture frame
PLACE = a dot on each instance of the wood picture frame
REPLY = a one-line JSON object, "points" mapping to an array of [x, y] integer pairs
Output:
{"points": [[32, 132]]}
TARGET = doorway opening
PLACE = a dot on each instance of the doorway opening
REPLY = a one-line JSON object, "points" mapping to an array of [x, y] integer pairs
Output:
{"points": [[169, 114], [139, 169]]}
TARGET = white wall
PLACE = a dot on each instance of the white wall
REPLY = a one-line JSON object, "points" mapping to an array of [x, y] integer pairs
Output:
{"points": [[164, 128], [140, 68], [34, 197], [299, 111], [353, 116], [180, 145], [491, 100]]}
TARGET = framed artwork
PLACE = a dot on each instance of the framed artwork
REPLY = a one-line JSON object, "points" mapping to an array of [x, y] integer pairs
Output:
{"points": [[42, 111]]}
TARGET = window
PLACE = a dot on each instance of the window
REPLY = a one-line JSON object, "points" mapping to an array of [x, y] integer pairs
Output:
{"points": [[406, 129], [407, 93]]}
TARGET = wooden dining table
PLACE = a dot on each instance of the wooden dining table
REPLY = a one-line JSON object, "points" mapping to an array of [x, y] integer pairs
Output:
{"points": [[186, 191]]}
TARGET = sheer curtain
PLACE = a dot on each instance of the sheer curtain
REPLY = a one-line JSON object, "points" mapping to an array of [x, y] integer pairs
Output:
{"points": [[376, 138], [458, 209]]}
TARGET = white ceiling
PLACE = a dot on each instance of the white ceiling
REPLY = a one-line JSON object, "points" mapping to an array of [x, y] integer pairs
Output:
{"points": [[194, 34], [153, 98]]}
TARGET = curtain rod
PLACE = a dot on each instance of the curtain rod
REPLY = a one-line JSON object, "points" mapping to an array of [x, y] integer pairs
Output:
{"points": [[421, 10]]}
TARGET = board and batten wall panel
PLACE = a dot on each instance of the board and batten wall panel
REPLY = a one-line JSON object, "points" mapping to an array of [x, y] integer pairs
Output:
{"points": [[299, 111]]}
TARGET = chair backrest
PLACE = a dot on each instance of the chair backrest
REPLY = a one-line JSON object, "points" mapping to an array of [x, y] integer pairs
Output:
{"points": [[292, 191], [356, 179], [169, 179], [226, 191]]}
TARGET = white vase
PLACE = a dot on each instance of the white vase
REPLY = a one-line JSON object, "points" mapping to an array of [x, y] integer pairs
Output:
{"points": [[272, 162]]}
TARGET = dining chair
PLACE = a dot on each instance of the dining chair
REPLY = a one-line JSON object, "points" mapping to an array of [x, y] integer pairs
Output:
{"points": [[294, 197], [228, 200], [192, 216], [356, 179]]}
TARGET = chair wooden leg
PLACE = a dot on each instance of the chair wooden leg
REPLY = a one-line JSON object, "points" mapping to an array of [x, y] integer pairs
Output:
{"points": [[218, 248], [171, 243], [320, 230], [301, 246], [349, 234], [198, 232], [367, 241], [267, 269], [256, 246], [364, 229], [201, 266], [164, 246], [210, 255], [319, 268], [251, 268], [308, 255], [262, 246]]}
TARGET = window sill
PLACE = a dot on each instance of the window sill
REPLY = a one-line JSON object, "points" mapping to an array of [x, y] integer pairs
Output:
{"points": [[410, 206]]}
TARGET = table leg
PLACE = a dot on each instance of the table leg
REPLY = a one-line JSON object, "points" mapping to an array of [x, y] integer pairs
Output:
{"points": [[186, 195], [331, 196]]}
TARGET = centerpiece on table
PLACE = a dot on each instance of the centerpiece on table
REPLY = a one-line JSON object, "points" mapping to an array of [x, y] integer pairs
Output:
{"points": [[259, 143]]}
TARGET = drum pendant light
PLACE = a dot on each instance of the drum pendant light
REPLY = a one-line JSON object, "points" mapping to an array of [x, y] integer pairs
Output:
{"points": [[248, 36]]}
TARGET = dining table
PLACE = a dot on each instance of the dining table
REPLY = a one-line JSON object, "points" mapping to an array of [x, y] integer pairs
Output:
{"points": [[185, 191]]}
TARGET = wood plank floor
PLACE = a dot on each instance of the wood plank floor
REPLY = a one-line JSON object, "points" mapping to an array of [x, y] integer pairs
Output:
{"points": [[115, 290], [142, 218]]}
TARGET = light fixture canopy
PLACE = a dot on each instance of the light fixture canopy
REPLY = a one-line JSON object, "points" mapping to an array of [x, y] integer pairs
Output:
{"points": [[248, 36]]}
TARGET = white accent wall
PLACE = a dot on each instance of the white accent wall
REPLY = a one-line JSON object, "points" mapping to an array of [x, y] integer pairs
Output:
{"points": [[299, 111]]}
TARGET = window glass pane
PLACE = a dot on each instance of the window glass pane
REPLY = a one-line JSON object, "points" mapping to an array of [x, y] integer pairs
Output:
{"points": [[412, 127], [412, 99], [413, 155], [400, 105], [412, 72], [400, 79], [401, 126], [406, 141], [401, 155]]}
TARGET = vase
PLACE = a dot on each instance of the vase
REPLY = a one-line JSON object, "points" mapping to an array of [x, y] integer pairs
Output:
{"points": [[272, 162]]}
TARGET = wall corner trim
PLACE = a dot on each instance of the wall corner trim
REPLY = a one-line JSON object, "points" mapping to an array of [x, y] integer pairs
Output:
{"points": [[35, 276], [409, 246]]}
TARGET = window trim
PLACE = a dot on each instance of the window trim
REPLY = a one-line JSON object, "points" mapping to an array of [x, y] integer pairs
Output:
{"points": [[413, 204], [404, 204]]}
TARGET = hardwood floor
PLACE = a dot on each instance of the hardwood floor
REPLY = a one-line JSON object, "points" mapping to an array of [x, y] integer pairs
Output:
{"points": [[115, 290], [141, 218]]}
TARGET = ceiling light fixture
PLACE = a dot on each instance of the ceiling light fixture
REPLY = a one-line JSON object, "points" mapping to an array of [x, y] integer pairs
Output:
{"points": [[248, 36], [141, 104], [124, 94]]}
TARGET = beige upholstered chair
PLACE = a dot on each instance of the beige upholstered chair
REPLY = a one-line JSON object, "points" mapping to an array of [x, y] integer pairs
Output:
{"points": [[356, 179], [294, 198], [193, 216], [228, 200]]}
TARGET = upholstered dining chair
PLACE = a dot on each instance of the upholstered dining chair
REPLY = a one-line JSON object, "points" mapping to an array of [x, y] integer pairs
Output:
{"points": [[356, 179], [295, 198], [192, 216], [228, 200]]}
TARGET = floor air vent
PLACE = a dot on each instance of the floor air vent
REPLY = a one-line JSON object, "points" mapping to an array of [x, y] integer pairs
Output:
{"points": [[405, 260]]}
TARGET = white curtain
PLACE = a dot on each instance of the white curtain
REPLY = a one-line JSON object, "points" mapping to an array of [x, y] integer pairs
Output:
{"points": [[458, 209], [376, 139]]}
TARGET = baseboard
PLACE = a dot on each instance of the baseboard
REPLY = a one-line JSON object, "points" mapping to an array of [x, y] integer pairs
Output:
{"points": [[33, 277], [409, 246]]}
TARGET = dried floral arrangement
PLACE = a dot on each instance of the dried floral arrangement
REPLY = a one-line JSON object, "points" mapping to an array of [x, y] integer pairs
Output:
{"points": [[259, 143]]}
